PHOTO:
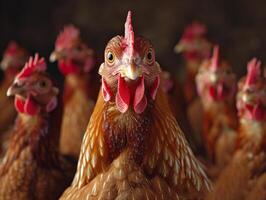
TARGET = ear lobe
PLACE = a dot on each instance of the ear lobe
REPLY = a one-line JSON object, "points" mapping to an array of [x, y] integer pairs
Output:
{"points": [[51, 105]]}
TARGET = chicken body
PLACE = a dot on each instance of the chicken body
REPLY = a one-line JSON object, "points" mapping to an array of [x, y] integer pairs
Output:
{"points": [[132, 118], [32, 167], [25, 176], [216, 84], [76, 62]]}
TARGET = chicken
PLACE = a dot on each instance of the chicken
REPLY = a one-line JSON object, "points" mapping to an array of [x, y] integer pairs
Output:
{"points": [[76, 62], [216, 86], [244, 174], [132, 117], [32, 167], [195, 48], [13, 60]]}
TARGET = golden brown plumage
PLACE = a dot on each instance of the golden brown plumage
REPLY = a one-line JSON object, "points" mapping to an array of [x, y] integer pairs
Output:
{"points": [[32, 167], [239, 177], [144, 126], [76, 62]]}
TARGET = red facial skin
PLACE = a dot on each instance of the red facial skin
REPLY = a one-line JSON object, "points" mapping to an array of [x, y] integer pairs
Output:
{"points": [[73, 55], [251, 98], [215, 81], [130, 74], [33, 89]]}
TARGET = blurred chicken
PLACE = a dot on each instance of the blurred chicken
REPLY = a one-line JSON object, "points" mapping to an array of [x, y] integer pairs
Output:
{"points": [[13, 61], [244, 174], [195, 48], [77, 63], [32, 167], [132, 122], [216, 86]]}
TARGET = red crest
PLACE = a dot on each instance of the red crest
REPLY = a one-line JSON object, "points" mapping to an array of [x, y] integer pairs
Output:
{"points": [[253, 71], [35, 64], [67, 37], [196, 29], [129, 35]]}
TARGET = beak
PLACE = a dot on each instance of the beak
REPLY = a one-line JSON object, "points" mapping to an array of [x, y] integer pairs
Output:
{"points": [[15, 89], [55, 56], [180, 47], [4, 64], [213, 77], [132, 71], [246, 98]]}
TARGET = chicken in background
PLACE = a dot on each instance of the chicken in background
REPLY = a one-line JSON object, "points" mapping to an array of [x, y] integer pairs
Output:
{"points": [[245, 174], [133, 123], [33, 167], [195, 48], [76, 61], [13, 60], [216, 85]]}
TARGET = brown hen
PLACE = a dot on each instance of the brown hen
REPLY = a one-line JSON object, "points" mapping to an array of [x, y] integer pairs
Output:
{"points": [[216, 85], [132, 122], [76, 62], [195, 48], [32, 167]]}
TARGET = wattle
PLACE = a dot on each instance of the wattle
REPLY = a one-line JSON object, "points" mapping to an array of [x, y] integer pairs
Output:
{"points": [[125, 95], [67, 67], [29, 106], [255, 112]]}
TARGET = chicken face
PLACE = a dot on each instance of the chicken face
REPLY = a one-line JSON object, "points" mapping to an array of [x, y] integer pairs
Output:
{"points": [[14, 58], [215, 81], [251, 97], [129, 73], [193, 43], [33, 89], [73, 56]]}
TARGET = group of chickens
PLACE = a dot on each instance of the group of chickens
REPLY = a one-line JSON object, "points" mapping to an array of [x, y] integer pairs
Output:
{"points": [[117, 137]]}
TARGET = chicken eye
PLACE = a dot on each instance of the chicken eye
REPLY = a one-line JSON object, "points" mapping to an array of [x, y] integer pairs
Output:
{"points": [[43, 84], [149, 56], [110, 57]]}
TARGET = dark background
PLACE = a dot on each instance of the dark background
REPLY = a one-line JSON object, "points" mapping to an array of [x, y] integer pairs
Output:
{"points": [[238, 26]]}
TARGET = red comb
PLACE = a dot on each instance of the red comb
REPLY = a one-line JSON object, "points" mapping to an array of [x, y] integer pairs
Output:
{"points": [[67, 37], [129, 34], [215, 58], [35, 64], [253, 71], [12, 48], [196, 29]]}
